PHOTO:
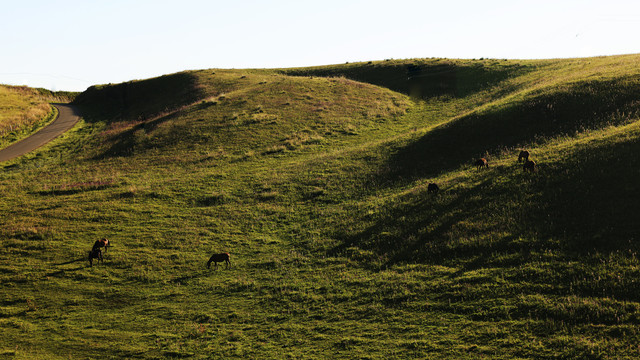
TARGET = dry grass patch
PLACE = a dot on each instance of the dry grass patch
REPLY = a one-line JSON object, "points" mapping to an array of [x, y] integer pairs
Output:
{"points": [[20, 107]]}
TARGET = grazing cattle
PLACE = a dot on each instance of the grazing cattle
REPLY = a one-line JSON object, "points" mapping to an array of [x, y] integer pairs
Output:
{"points": [[433, 188], [102, 243], [216, 258], [480, 163], [529, 165], [95, 254], [524, 156]]}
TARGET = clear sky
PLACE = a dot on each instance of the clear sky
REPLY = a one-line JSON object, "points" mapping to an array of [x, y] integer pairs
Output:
{"points": [[72, 44]]}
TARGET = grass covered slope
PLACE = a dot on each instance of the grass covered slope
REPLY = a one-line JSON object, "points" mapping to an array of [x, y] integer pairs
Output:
{"points": [[422, 78], [318, 188], [21, 109], [25, 110], [239, 114]]}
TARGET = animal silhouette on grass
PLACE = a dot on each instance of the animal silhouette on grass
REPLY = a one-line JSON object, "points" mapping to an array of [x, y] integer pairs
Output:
{"points": [[481, 163], [95, 253], [216, 258], [524, 156], [529, 165]]}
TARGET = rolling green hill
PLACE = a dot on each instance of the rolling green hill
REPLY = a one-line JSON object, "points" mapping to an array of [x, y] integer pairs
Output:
{"points": [[315, 180]]}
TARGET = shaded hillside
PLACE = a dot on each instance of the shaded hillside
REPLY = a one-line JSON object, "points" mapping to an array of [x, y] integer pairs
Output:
{"points": [[423, 78], [562, 110], [582, 199], [141, 99], [582, 130]]}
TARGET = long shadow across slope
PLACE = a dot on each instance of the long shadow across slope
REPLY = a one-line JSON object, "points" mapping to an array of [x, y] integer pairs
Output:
{"points": [[575, 108]]}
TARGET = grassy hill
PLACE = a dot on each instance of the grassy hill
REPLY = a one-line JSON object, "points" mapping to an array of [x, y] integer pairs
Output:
{"points": [[21, 110], [25, 110], [315, 180], [423, 78]]}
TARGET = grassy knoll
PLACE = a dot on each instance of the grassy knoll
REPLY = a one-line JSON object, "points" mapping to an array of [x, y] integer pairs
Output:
{"points": [[317, 187], [423, 78]]}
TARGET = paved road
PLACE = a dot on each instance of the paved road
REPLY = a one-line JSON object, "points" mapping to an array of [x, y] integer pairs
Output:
{"points": [[67, 117]]}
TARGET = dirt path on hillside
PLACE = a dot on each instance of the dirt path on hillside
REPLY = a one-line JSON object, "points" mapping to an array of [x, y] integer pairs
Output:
{"points": [[67, 117]]}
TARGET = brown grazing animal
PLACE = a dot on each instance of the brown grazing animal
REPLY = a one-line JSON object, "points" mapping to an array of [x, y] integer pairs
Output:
{"points": [[95, 254], [480, 163], [216, 258], [433, 188], [529, 165], [524, 155], [102, 243]]}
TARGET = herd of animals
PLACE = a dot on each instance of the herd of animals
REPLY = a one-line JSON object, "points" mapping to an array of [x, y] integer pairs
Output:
{"points": [[96, 250], [96, 253], [529, 165]]}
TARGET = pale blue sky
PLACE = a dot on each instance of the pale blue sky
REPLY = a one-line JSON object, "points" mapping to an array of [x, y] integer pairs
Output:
{"points": [[72, 44]]}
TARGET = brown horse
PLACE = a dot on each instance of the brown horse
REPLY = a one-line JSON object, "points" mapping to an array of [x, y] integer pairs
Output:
{"points": [[480, 163], [95, 253], [529, 165], [524, 155], [102, 243], [216, 258]]}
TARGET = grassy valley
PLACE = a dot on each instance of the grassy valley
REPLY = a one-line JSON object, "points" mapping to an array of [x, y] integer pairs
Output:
{"points": [[315, 180]]}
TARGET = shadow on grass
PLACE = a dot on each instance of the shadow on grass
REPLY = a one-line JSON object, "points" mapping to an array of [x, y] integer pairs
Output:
{"points": [[139, 100], [70, 262], [149, 102], [589, 202], [440, 228], [74, 190], [582, 106], [420, 79], [62, 272], [83, 264], [136, 139], [191, 276], [592, 198]]}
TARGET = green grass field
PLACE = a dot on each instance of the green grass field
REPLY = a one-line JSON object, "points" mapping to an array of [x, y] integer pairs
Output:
{"points": [[315, 180]]}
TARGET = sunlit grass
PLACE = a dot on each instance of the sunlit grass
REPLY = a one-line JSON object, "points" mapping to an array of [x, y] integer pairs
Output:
{"points": [[318, 189], [21, 108], [25, 110]]}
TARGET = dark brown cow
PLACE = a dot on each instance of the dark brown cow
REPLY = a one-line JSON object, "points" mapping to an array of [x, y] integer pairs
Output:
{"points": [[95, 253], [480, 163], [433, 188], [529, 165], [216, 258], [524, 156]]}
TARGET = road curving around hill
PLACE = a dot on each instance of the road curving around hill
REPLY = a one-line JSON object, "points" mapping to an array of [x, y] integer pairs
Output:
{"points": [[67, 117]]}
